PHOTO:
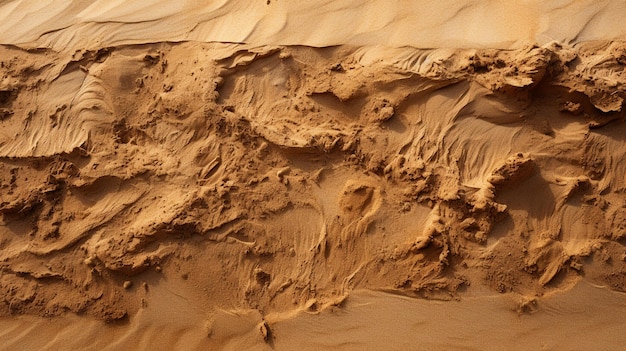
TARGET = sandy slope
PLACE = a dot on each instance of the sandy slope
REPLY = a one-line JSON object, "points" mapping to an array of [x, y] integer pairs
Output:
{"points": [[69, 25], [200, 194]]}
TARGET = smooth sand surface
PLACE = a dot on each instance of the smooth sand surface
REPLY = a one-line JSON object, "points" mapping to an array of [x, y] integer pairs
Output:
{"points": [[424, 24], [354, 175], [584, 318]]}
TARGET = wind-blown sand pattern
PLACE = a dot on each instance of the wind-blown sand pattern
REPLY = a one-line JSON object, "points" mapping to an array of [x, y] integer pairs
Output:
{"points": [[424, 23], [169, 190]]}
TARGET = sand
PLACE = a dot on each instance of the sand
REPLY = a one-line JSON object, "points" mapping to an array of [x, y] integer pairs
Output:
{"points": [[64, 25], [265, 176]]}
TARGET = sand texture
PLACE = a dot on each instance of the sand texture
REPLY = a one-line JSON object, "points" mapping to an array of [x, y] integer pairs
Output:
{"points": [[264, 188], [79, 24]]}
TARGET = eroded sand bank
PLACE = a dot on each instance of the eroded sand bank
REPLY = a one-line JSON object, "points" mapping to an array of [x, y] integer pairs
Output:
{"points": [[194, 195], [276, 179]]}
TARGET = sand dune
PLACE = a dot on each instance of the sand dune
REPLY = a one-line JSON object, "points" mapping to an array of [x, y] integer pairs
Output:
{"points": [[262, 175]]}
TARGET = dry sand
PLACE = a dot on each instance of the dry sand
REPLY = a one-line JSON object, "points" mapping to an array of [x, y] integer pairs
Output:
{"points": [[71, 24], [320, 175]]}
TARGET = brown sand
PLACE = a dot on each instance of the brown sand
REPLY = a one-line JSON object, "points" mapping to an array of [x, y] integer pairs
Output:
{"points": [[196, 195]]}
